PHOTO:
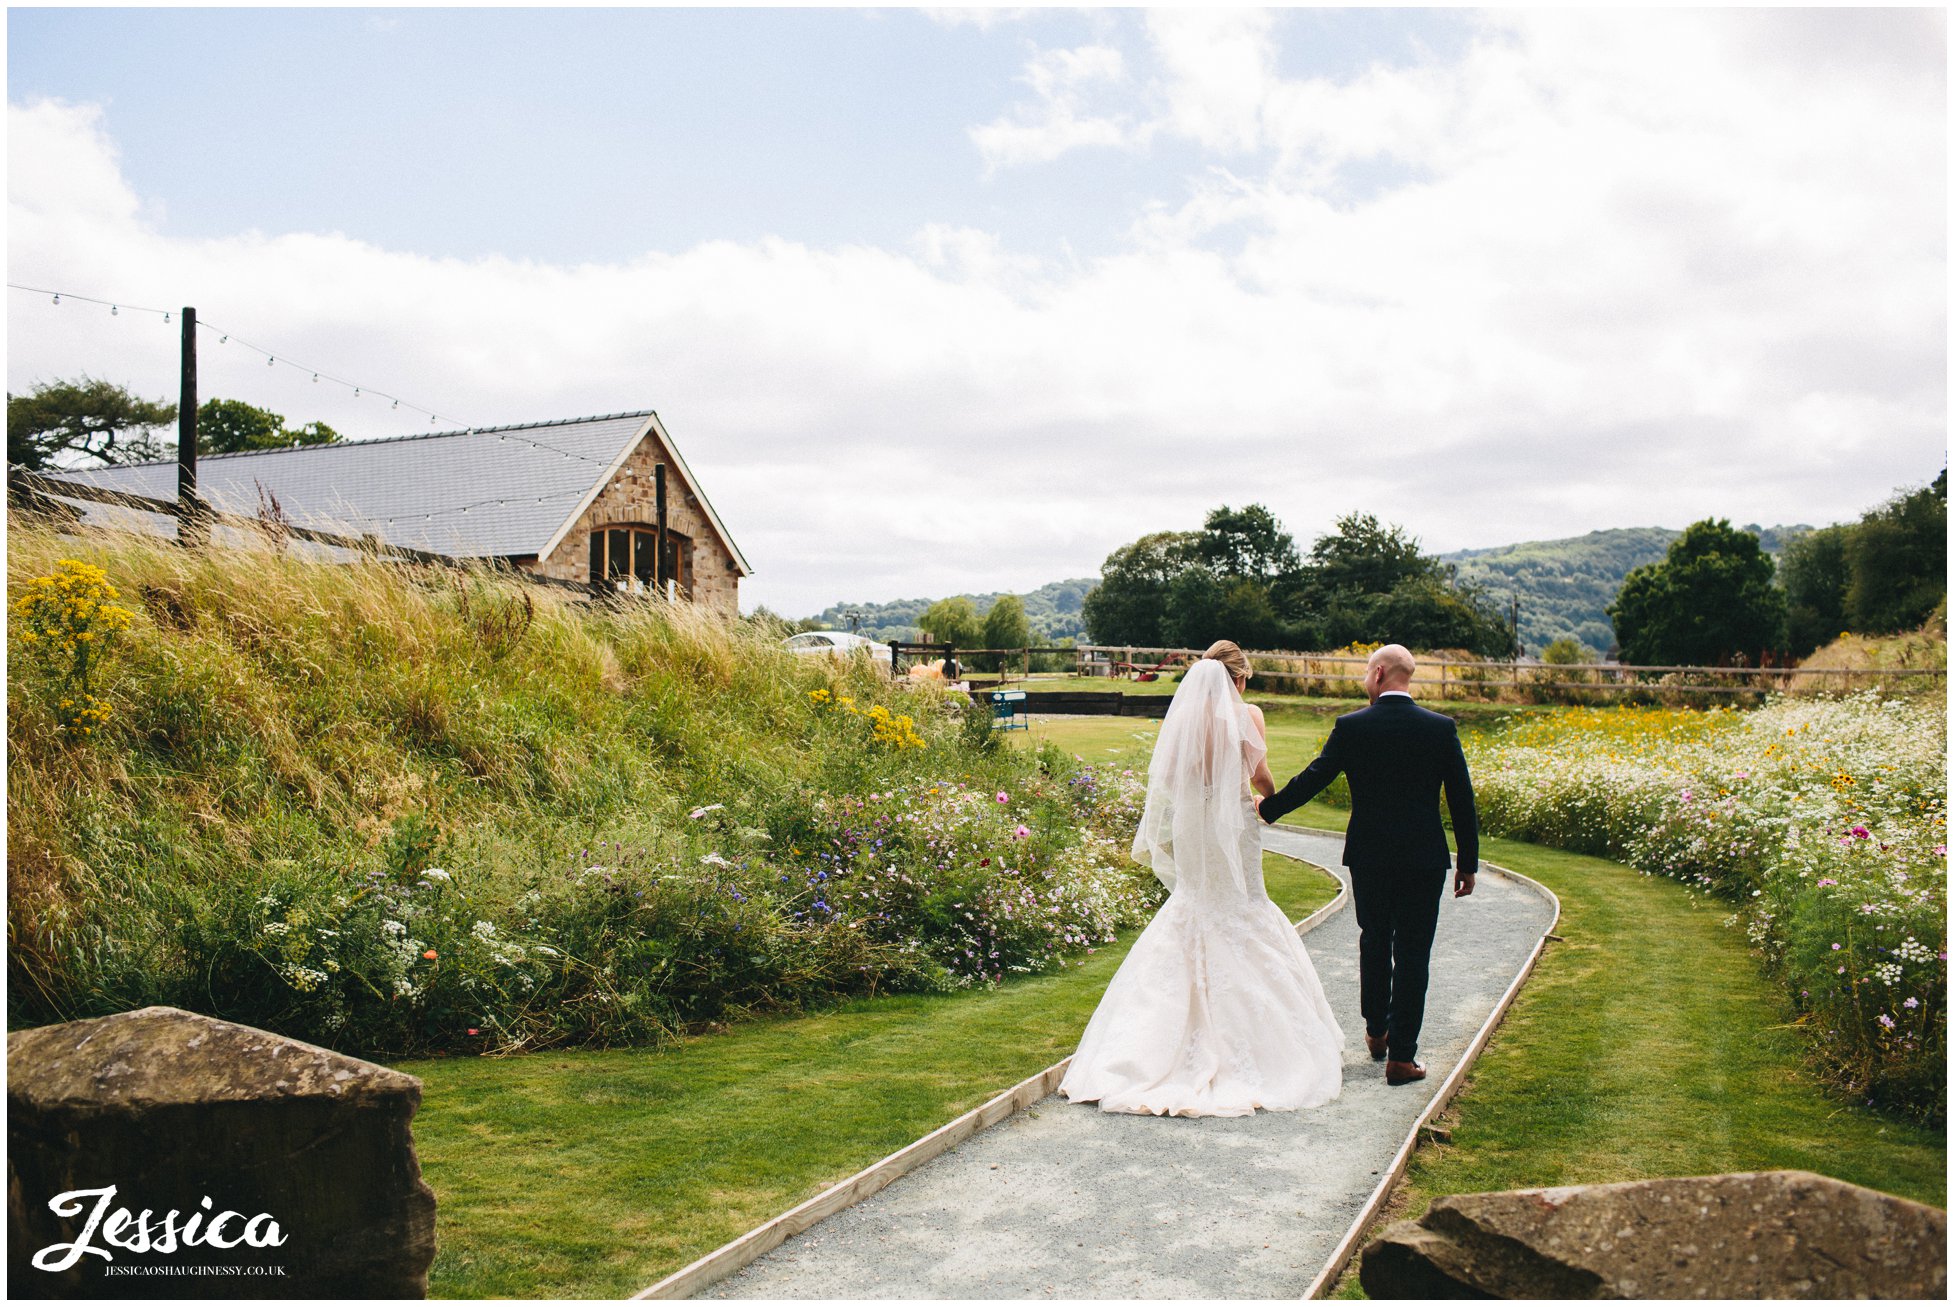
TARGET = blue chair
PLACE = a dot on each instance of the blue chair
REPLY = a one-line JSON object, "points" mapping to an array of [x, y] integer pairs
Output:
{"points": [[1007, 711]]}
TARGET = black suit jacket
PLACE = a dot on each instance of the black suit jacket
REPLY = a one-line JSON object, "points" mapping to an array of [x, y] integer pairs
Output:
{"points": [[1397, 756]]}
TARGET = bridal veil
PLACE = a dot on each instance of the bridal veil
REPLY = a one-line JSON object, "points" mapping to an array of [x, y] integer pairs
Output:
{"points": [[1197, 789]]}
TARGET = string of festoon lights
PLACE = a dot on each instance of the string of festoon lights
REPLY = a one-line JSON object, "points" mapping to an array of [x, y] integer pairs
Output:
{"points": [[480, 503], [274, 359]]}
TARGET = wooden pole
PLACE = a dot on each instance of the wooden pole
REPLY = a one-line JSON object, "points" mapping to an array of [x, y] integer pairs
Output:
{"points": [[189, 524], [658, 576]]}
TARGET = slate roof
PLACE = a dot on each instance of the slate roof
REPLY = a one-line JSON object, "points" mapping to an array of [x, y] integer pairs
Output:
{"points": [[491, 492]]}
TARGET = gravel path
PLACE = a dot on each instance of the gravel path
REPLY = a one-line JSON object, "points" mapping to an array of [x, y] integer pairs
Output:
{"points": [[1065, 1201]]}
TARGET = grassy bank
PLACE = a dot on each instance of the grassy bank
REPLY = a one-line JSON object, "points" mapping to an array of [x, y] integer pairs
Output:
{"points": [[391, 809], [594, 1174]]}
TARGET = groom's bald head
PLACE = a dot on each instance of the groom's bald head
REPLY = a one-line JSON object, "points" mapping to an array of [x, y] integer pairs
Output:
{"points": [[1392, 666]]}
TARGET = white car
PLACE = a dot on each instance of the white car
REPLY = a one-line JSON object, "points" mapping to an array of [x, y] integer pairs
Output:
{"points": [[838, 643]]}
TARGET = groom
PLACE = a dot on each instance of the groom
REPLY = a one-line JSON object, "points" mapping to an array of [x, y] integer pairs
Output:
{"points": [[1396, 755]]}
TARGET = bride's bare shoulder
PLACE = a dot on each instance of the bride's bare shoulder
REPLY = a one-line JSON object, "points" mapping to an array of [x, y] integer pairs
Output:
{"points": [[1255, 715]]}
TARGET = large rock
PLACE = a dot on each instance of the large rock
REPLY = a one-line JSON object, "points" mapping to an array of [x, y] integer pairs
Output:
{"points": [[1770, 1234], [184, 1114]]}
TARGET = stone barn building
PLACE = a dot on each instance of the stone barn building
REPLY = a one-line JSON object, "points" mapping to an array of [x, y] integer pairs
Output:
{"points": [[574, 500]]}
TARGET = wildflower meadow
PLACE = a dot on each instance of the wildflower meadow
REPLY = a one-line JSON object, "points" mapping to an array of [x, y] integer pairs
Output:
{"points": [[1822, 821], [394, 810]]}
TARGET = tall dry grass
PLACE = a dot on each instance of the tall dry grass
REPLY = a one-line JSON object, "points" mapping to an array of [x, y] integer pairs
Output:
{"points": [[295, 744]]}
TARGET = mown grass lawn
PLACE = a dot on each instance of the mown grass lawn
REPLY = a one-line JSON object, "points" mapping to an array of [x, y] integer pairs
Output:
{"points": [[1297, 729], [1296, 734], [594, 1174]]}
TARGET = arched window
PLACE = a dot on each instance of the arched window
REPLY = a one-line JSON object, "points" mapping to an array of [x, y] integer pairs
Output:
{"points": [[622, 557]]}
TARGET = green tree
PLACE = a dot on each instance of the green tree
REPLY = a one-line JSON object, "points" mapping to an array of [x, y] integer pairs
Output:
{"points": [[1196, 610], [1709, 602], [1249, 612], [1240, 578], [88, 418], [231, 426], [1567, 650], [1364, 557], [772, 626], [953, 621], [1370, 582], [1005, 627], [1428, 612], [1815, 574], [1128, 604], [1898, 561], [1247, 543]]}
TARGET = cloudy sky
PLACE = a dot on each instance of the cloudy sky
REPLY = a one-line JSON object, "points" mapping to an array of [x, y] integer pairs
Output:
{"points": [[960, 301]]}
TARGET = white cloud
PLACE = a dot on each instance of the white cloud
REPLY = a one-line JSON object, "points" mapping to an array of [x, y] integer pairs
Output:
{"points": [[67, 166], [1623, 269], [1058, 120], [1219, 66]]}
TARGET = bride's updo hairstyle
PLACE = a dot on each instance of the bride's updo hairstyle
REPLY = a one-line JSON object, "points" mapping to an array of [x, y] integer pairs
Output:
{"points": [[1230, 655]]}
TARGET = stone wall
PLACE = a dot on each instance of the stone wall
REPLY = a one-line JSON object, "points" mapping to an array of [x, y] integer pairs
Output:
{"points": [[631, 499]]}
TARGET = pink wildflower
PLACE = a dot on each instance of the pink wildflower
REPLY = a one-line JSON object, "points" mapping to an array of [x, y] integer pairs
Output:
{"points": [[1002, 797]]}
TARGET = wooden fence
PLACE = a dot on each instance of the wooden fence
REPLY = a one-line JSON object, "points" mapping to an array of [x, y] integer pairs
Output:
{"points": [[1341, 674], [906, 652]]}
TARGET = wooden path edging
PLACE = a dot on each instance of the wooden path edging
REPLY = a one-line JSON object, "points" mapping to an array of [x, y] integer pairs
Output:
{"points": [[1347, 1247], [751, 1246]]}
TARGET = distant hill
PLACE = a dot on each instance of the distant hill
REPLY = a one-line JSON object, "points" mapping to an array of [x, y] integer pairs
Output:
{"points": [[1565, 586], [1053, 610]]}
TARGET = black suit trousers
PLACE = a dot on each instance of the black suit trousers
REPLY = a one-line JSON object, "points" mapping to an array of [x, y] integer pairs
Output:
{"points": [[1397, 916]]}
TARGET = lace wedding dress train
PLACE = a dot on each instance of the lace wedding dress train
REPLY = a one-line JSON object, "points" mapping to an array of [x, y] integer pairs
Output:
{"points": [[1217, 1010]]}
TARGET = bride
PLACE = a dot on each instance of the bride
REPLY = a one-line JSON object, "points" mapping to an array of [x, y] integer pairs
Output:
{"points": [[1217, 1010]]}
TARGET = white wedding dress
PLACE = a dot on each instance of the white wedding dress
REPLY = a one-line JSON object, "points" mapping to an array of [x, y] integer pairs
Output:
{"points": [[1217, 1010]]}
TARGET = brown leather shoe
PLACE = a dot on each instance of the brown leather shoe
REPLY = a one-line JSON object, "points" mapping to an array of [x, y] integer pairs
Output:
{"points": [[1378, 1045], [1402, 1073]]}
